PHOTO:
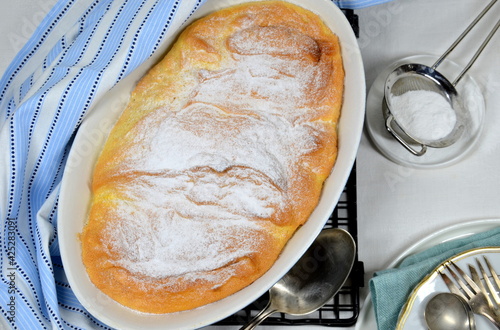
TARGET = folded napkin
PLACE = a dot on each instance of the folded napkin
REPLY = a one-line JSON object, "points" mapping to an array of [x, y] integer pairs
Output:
{"points": [[80, 50], [391, 288]]}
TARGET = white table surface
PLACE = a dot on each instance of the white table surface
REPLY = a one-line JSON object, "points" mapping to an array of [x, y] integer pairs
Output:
{"points": [[397, 205]]}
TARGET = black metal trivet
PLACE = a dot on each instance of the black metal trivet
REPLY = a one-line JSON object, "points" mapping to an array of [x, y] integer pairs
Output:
{"points": [[343, 309], [353, 20]]}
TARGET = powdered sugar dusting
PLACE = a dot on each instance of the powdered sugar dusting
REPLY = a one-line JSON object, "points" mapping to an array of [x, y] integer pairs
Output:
{"points": [[217, 167], [425, 115]]}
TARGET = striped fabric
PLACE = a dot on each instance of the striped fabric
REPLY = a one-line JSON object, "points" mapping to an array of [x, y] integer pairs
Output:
{"points": [[79, 51], [358, 4]]}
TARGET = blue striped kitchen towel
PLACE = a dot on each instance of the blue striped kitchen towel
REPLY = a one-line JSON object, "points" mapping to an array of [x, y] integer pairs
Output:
{"points": [[79, 51], [358, 4]]}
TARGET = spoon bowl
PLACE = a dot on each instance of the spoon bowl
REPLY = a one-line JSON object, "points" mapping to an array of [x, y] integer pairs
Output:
{"points": [[314, 279], [449, 311]]}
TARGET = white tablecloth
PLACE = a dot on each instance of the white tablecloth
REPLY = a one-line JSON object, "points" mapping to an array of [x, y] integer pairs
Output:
{"points": [[397, 205]]}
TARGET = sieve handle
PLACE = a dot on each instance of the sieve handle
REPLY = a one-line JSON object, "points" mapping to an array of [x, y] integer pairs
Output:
{"points": [[476, 55], [388, 125], [471, 25]]}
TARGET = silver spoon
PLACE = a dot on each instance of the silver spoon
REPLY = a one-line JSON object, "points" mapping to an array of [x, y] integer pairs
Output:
{"points": [[414, 76], [314, 279], [449, 311]]}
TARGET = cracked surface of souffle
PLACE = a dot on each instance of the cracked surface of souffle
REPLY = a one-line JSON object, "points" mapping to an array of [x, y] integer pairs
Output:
{"points": [[219, 157]]}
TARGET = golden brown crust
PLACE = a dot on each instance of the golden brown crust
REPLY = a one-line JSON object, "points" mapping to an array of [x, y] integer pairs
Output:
{"points": [[197, 97]]}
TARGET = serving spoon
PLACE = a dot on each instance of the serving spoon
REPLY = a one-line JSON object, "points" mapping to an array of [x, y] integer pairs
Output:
{"points": [[314, 279], [449, 311]]}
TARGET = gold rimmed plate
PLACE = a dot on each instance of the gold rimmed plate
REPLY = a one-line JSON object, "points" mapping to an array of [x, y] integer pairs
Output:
{"points": [[412, 313], [366, 319]]}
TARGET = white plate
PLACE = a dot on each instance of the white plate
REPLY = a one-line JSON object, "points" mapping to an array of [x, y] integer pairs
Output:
{"points": [[412, 314], [366, 320], [75, 189]]}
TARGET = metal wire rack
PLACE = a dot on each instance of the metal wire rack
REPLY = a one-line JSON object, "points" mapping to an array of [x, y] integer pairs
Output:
{"points": [[343, 309]]}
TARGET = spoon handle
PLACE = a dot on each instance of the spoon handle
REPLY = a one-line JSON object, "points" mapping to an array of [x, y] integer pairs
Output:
{"points": [[259, 317]]}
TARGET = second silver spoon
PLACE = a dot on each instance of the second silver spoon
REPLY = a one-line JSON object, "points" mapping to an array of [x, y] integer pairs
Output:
{"points": [[449, 311]]}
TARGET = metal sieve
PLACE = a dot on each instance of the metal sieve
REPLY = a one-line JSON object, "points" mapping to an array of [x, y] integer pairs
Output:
{"points": [[414, 76]]}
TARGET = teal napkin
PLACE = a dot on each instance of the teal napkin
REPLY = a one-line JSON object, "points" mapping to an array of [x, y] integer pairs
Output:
{"points": [[391, 288]]}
